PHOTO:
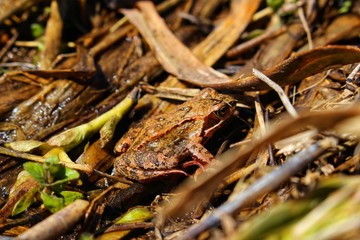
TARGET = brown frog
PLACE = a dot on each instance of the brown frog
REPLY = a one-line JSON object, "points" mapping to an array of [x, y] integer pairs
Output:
{"points": [[168, 143]]}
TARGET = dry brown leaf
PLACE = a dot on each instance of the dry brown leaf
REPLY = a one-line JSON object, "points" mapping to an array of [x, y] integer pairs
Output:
{"points": [[210, 50], [173, 55], [52, 38]]}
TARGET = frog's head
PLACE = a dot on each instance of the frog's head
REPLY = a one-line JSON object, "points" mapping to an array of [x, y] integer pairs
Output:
{"points": [[217, 109]]}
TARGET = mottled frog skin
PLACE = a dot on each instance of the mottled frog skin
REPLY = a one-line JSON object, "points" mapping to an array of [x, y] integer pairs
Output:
{"points": [[166, 144]]}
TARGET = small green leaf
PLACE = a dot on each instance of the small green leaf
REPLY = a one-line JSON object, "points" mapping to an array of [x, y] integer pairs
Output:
{"points": [[52, 161], [71, 137], [136, 214], [345, 7], [25, 202], [86, 236], [107, 131], [41, 46], [37, 171], [70, 196], [74, 136], [254, 33], [56, 170], [52, 203], [58, 175], [69, 175], [275, 4], [36, 30]]}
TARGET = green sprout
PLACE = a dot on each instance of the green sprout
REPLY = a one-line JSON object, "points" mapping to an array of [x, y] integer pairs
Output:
{"points": [[58, 145], [57, 169], [275, 4], [52, 178], [345, 6], [74, 136], [37, 30], [133, 215]]}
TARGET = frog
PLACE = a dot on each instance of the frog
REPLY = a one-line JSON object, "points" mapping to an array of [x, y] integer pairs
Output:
{"points": [[169, 143]]}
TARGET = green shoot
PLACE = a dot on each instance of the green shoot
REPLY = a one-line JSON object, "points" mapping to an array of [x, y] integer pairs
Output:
{"points": [[52, 178], [74, 136]]}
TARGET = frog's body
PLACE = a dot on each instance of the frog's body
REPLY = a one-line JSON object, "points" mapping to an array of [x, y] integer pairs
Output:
{"points": [[159, 145]]}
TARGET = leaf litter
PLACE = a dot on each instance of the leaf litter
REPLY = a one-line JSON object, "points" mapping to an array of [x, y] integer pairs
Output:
{"points": [[279, 176]]}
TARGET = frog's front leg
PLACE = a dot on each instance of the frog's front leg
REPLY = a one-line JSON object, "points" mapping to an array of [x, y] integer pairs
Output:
{"points": [[200, 156], [128, 138]]}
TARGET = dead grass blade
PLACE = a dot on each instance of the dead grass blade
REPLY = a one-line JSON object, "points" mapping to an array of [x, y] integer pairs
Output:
{"points": [[52, 37], [224, 36], [284, 99]]}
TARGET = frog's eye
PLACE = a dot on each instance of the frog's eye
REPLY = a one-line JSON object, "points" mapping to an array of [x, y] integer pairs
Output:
{"points": [[222, 111]]}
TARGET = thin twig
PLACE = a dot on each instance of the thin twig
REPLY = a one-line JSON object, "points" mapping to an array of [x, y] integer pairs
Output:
{"points": [[129, 226], [89, 210], [284, 99], [115, 178], [351, 77], [311, 86], [262, 13], [28, 44], [306, 26], [40, 159], [262, 186], [170, 92], [19, 64], [58, 223], [269, 146], [245, 46], [161, 8], [9, 43]]}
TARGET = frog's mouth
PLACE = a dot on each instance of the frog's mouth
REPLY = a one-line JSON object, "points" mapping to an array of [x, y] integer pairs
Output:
{"points": [[192, 163], [210, 131]]}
